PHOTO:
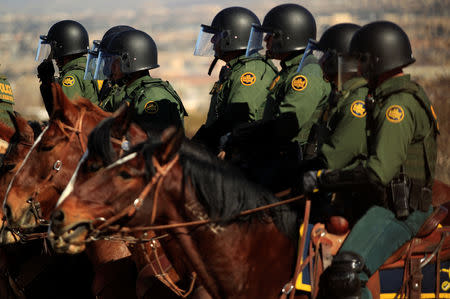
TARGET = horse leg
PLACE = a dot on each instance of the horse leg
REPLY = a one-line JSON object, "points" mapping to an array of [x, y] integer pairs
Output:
{"points": [[115, 271]]}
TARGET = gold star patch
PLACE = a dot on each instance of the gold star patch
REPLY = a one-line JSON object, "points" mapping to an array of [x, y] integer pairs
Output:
{"points": [[151, 107], [395, 114], [68, 81], [358, 109], [299, 83], [248, 78]]}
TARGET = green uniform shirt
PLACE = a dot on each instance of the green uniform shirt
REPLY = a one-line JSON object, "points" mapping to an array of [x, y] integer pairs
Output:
{"points": [[347, 122], [242, 90], [400, 121], [72, 83], [155, 101], [303, 93], [6, 101]]}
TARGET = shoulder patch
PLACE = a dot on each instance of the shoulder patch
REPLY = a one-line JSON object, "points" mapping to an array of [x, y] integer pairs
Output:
{"points": [[151, 107], [68, 81], [395, 114], [274, 82], [358, 108], [248, 78], [299, 82]]}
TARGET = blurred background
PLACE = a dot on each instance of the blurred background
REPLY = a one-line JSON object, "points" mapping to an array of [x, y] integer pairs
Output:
{"points": [[174, 25]]}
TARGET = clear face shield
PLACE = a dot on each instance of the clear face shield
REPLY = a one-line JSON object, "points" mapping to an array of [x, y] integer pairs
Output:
{"points": [[311, 49], [255, 41], [91, 62], [207, 37], [107, 64], [44, 49]]}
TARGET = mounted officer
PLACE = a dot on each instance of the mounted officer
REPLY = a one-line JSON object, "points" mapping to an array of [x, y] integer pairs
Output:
{"points": [[398, 175], [127, 59], [240, 93], [107, 87], [296, 99], [342, 128], [67, 42]]}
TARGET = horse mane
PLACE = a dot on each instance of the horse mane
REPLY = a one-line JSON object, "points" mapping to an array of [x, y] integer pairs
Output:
{"points": [[224, 191], [99, 141]]}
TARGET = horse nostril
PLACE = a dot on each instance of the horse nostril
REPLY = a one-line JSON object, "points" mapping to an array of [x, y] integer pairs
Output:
{"points": [[58, 217]]}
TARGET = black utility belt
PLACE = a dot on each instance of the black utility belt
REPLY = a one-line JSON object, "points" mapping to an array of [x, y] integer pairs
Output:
{"points": [[408, 195]]}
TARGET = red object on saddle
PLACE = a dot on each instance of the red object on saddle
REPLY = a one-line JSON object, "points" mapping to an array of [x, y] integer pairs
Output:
{"points": [[337, 225]]}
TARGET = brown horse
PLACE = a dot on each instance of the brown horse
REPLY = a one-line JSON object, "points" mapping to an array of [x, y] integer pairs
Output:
{"points": [[20, 139], [249, 257], [38, 182]]}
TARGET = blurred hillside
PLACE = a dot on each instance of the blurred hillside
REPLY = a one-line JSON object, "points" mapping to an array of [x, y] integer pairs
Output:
{"points": [[174, 25]]}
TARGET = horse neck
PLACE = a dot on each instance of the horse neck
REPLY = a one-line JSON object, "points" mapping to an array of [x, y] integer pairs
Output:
{"points": [[233, 244]]}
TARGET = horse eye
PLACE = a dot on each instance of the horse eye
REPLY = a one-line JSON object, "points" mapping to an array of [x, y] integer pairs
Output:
{"points": [[125, 175]]}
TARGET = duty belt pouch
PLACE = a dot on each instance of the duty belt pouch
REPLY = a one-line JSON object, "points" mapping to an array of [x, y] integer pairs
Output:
{"points": [[400, 188], [421, 197]]}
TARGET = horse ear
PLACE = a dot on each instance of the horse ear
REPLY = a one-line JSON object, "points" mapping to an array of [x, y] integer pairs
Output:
{"points": [[172, 139], [21, 125], [62, 103]]}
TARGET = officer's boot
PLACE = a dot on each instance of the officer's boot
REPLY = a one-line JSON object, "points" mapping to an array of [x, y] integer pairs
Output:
{"points": [[341, 280]]}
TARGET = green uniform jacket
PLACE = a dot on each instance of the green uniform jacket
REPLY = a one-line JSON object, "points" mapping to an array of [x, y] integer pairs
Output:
{"points": [[400, 123], [6, 101], [241, 91], [347, 122], [155, 102], [303, 93], [73, 85], [110, 95]]}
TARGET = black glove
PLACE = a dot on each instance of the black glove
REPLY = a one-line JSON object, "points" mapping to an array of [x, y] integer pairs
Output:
{"points": [[46, 71], [311, 181]]}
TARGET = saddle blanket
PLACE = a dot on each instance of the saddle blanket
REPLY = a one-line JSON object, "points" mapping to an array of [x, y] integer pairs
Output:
{"points": [[390, 279]]}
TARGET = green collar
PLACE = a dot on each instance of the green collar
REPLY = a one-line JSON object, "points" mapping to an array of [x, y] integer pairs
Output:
{"points": [[242, 59], [78, 62], [392, 85], [354, 83], [291, 62]]}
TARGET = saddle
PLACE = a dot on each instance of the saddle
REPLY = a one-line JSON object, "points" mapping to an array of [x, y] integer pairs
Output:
{"points": [[431, 244]]}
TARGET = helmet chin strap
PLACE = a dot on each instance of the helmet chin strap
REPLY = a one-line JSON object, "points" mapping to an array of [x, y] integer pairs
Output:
{"points": [[213, 64]]}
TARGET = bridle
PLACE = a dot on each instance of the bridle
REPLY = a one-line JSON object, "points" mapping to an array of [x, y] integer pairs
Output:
{"points": [[75, 132]]}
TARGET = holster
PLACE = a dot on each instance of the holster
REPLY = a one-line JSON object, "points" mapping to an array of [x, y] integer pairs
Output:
{"points": [[408, 195], [400, 188]]}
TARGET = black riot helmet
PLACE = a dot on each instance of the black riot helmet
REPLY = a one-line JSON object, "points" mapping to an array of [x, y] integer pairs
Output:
{"points": [[230, 28], [335, 46], [382, 46], [107, 37], [292, 26], [67, 38], [136, 49]]}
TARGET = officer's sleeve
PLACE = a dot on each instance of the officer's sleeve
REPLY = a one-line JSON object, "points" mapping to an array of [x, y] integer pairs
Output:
{"points": [[303, 94], [348, 140], [157, 114], [71, 85], [393, 133], [247, 93]]}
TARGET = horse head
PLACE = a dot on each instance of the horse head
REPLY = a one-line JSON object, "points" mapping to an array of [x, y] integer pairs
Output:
{"points": [[20, 139], [48, 166], [77, 215]]}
